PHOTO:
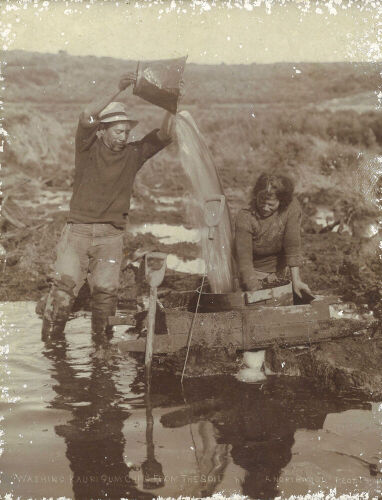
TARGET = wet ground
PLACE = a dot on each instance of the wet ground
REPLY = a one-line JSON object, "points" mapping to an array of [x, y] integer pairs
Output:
{"points": [[76, 423]]}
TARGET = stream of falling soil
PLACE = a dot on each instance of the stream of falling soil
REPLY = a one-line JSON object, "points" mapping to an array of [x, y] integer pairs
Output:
{"points": [[199, 166]]}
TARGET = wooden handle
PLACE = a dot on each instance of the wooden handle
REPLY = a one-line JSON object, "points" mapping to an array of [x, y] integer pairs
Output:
{"points": [[150, 333]]}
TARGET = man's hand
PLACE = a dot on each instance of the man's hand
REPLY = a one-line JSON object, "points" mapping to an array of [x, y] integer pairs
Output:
{"points": [[127, 80], [181, 89], [94, 108], [167, 129]]}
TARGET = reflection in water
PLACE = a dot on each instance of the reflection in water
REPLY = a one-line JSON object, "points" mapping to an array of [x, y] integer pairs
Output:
{"points": [[152, 470], [252, 426], [258, 424], [212, 459], [94, 438]]}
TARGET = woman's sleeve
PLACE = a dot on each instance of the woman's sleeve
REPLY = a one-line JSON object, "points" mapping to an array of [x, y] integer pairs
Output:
{"points": [[244, 250], [292, 235]]}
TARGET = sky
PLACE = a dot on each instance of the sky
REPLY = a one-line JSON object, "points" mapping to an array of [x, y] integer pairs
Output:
{"points": [[233, 32]]}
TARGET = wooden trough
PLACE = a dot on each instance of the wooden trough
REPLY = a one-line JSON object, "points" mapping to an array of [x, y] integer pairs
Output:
{"points": [[244, 321]]}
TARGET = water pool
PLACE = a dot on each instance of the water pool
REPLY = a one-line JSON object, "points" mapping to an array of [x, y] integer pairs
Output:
{"points": [[76, 423]]}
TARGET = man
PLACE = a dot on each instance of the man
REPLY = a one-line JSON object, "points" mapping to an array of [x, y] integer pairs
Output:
{"points": [[92, 240]]}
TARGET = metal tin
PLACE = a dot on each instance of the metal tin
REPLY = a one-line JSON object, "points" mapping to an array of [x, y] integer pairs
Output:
{"points": [[158, 82]]}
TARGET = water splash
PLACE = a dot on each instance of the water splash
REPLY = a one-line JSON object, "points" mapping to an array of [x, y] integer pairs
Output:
{"points": [[199, 167]]}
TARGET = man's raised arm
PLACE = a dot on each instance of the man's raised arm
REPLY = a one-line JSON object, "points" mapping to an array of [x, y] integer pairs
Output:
{"points": [[166, 130], [91, 112]]}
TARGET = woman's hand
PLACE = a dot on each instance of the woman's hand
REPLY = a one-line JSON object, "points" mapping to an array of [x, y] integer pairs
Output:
{"points": [[127, 80], [252, 284], [299, 286]]}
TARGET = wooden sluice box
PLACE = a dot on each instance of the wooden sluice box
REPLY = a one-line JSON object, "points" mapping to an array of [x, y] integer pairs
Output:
{"points": [[244, 321]]}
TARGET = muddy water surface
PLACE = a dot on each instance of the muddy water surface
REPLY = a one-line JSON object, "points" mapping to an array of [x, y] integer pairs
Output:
{"points": [[167, 233], [170, 234], [76, 423]]}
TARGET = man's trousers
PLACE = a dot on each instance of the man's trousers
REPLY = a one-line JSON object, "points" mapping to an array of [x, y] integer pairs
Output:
{"points": [[85, 251]]}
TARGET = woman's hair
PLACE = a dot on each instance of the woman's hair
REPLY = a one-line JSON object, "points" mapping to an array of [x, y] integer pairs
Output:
{"points": [[277, 184]]}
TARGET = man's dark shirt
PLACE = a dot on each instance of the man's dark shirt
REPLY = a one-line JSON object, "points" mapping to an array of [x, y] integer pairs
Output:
{"points": [[103, 179]]}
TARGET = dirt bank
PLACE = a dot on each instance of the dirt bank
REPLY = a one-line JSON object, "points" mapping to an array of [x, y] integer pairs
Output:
{"points": [[348, 365]]}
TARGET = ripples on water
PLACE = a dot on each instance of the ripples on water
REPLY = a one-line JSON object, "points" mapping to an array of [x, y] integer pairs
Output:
{"points": [[77, 424]]}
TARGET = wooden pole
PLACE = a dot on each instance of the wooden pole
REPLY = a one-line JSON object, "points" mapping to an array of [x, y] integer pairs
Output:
{"points": [[150, 332]]}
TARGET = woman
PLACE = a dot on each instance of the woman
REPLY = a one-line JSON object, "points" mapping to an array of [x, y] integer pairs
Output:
{"points": [[268, 234]]}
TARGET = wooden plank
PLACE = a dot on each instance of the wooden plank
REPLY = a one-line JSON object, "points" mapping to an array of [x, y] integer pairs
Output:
{"points": [[284, 325], [263, 336], [280, 315], [321, 305], [209, 328], [266, 335], [257, 296], [268, 294], [302, 333]]}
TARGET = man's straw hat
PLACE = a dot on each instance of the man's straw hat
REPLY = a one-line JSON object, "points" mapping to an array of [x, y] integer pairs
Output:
{"points": [[115, 112]]}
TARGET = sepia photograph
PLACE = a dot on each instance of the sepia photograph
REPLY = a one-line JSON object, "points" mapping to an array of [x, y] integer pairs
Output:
{"points": [[190, 249]]}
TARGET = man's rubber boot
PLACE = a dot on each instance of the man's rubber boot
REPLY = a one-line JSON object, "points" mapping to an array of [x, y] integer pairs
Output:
{"points": [[101, 327], [52, 329]]}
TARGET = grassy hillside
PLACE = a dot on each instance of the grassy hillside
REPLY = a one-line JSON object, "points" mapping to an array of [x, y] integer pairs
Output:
{"points": [[60, 77]]}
